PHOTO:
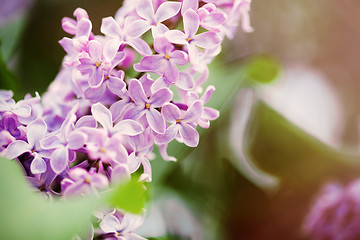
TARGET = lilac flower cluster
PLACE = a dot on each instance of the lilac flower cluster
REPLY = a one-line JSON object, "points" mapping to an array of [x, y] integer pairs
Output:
{"points": [[118, 95], [335, 214]]}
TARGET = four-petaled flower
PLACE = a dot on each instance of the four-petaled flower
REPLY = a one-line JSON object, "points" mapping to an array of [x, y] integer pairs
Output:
{"points": [[147, 107], [182, 124]]}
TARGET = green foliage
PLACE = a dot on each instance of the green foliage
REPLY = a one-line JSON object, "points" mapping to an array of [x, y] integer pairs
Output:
{"points": [[262, 69], [130, 197], [8, 79], [10, 35], [26, 214]]}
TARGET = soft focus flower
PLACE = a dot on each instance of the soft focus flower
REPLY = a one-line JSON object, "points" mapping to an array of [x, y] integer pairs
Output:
{"points": [[336, 213]]}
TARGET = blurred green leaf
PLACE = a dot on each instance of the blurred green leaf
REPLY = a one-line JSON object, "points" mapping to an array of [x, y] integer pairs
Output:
{"points": [[10, 35], [262, 69], [130, 197], [26, 214], [299, 159], [8, 79]]}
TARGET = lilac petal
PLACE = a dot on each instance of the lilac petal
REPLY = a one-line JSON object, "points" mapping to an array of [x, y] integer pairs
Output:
{"points": [[22, 111], [156, 121], [83, 28], [111, 47], [167, 10], [35, 131], [120, 173], [153, 63], [194, 112], [128, 127], [135, 113], [116, 85], [134, 162], [210, 113], [95, 49], [138, 28], [185, 82], [159, 30], [102, 115], [204, 123], [164, 155], [171, 112], [118, 58], [95, 93], [215, 19], [99, 181], [17, 148], [179, 57], [189, 135], [163, 46], [96, 78], [38, 165], [207, 94], [74, 188], [69, 25], [136, 91], [161, 97], [80, 13], [6, 138], [6, 95], [50, 142], [110, 224], [145, 10], [189, 4], [193, 54], [146, 176], [206, 40], [140, 46], [59, 159], [110, 28], [160, 83], [169, 134], [76, 140], [171, 72], [176, 36], [67, 45], [147, 82], [191, 22], [86, 121], [117, 109]]}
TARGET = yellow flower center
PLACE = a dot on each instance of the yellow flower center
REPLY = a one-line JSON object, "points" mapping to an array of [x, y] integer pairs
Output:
{"points": [[167, 56], [97, 64], [178, 120], [188, 39], [86, 180], [102, 150], [147, 105]]}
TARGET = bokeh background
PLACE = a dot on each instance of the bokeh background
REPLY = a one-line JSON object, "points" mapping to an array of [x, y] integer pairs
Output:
{"points": [[288, 95]]}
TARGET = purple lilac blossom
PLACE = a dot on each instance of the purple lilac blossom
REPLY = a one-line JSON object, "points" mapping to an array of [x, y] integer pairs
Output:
{"points": [[97, 124], [335, 213], [165, 63]]}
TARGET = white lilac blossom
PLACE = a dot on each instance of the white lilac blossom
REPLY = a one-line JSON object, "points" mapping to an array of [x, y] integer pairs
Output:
{"points": [[98, 122]]}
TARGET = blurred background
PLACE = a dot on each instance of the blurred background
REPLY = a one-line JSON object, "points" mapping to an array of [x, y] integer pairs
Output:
{"points": [[288, 96]]}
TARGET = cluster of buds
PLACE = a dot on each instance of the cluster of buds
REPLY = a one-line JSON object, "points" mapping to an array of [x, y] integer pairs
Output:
{"points": [[118, 95]]}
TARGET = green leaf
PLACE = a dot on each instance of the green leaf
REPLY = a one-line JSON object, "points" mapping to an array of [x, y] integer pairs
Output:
{"points": [[130, 197], [26, 214], [10, 35], [262, 69], [288, 152], [8, 79]]}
